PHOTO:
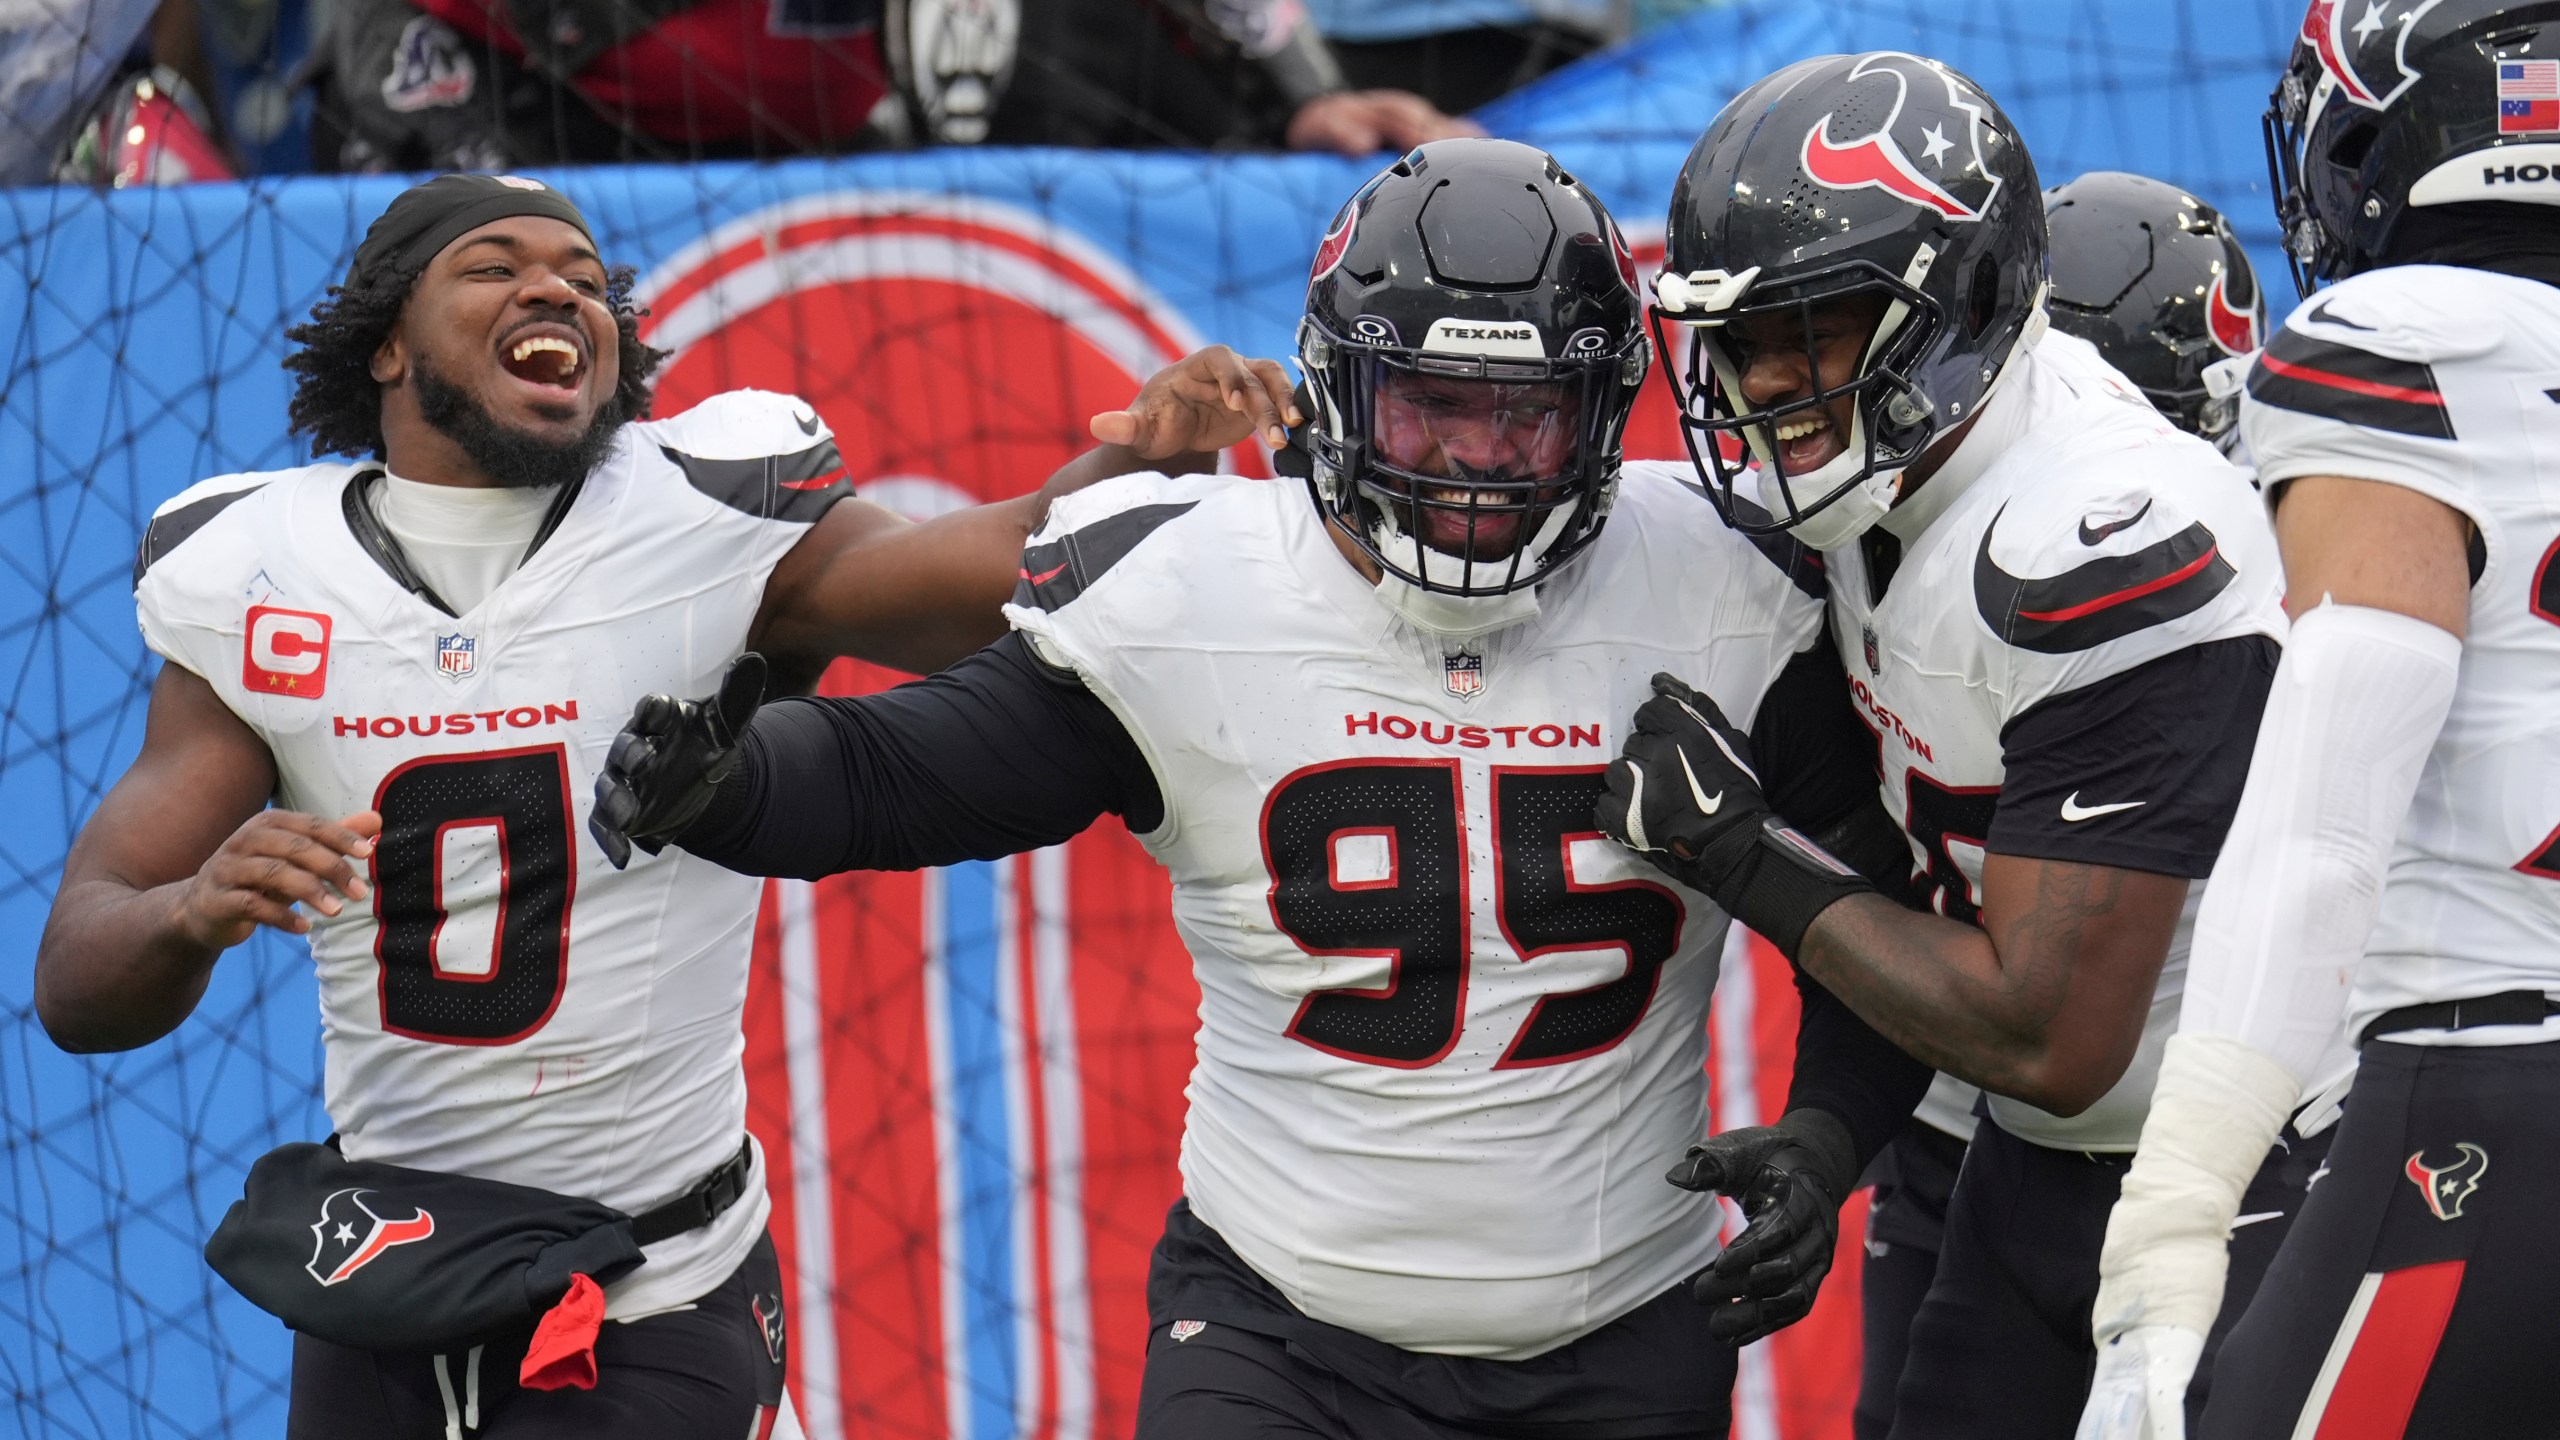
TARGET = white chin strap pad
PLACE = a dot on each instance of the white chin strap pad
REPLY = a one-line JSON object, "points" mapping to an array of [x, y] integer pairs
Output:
{"points": [[2355, 709]]}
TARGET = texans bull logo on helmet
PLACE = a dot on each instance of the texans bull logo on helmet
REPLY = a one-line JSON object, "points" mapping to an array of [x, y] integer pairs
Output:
{"points": [[349, 1235], [2234, 329], [1948, 174], [2369, 73]]}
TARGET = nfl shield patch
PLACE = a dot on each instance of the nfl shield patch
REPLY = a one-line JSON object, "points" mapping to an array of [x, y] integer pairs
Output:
{"points": [[1867, 633], [457, 655], [1463, 673], [1182, 1330]]}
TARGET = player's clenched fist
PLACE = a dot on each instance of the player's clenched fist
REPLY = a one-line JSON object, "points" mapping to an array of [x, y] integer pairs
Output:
{"points": [[1206, 401], [1684, 792], [666, 762], [275, 860]]}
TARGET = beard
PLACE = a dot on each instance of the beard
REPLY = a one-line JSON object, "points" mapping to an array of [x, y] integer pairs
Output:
{"points": [[512, 459]]}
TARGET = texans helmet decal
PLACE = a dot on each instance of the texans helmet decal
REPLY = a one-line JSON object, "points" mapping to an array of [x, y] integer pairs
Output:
{"points": [[349, 1235], [2235, 331], [1962, 187], [2342, 44]]}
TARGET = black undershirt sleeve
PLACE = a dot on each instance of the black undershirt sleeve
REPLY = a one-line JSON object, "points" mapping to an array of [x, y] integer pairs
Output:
{"points": [[2140, 771], [999, 754], [1817, 766]]}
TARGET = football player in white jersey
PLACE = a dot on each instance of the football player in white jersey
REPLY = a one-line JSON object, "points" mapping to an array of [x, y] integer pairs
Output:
{"points": [[2154, 279], [2393, 869], [2060, 616], [1450, 1038], [388, 685]]}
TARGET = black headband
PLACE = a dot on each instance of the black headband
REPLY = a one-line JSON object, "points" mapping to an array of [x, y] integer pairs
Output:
{"points": [[424, 219]]}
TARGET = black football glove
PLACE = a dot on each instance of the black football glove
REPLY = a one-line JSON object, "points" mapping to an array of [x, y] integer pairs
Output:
{"points": [[1789, 1179], [1684, 792], [663, 766]]}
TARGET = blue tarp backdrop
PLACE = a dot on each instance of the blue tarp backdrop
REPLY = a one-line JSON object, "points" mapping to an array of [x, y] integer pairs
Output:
{"points": [[143, 356]]}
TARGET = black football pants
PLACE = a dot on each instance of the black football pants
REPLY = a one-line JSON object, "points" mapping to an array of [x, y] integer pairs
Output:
{"points": [[715, 1369], [2416, 1296], [2001, 1348]]}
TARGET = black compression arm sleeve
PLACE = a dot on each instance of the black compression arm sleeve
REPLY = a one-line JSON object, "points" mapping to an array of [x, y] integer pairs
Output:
{"points": [[997, 755], [1817, 765]]}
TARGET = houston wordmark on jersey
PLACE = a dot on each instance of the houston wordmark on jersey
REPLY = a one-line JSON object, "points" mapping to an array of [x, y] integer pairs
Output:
{"points": [[509, 1005], [1450, 1036]]}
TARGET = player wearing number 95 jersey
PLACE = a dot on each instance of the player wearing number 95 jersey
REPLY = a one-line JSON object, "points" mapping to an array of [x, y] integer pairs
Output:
{"points": [[436, 644], [1450, 1040], [2394, 870]]}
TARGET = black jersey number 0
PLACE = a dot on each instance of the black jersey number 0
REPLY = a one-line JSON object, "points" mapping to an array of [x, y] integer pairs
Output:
{"points": [[1415, 914], [520, 800]]}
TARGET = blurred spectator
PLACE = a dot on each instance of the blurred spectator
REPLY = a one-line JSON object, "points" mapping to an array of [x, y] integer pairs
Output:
{"points": [[1199, 74], [1458, 54], [88, 99], [485, 84]]}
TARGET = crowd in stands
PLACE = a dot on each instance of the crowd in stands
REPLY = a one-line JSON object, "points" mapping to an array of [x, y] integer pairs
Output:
{"points": [[133, 92]]}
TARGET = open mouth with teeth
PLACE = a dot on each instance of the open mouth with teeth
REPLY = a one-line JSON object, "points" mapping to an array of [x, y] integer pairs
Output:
{"points": [[545, 360], [1807, 442]]}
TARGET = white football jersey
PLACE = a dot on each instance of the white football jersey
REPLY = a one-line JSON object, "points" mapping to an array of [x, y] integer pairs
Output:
{"points": [[509, 1005], [2447, 381], [1451, 1037], [2074, 536]]}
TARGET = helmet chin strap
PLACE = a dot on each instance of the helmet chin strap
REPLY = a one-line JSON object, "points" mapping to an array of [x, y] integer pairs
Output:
{"points": [[1463, 617]]}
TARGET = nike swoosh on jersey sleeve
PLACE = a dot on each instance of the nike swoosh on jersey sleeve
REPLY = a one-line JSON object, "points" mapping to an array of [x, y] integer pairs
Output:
{"points": [[2103, 599], [798, 488], [2341, 382], [1055, 572]]}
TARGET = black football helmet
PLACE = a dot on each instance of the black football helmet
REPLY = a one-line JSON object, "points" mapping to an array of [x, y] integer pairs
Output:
{"points": [[1475, 262], [2389, 104], [2154, 278], [1884, 175]]}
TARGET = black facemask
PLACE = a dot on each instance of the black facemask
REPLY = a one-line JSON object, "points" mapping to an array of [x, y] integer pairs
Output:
{"points": [[512, 459]]}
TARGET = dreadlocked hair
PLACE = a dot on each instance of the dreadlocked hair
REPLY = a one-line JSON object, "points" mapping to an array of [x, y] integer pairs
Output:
{"points": [[338, 403]]}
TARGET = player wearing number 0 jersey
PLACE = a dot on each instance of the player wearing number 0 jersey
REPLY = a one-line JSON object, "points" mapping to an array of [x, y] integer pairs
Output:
{"points": [[2395, 865], [510, 1005], [389, 686], [1449, 1037]]}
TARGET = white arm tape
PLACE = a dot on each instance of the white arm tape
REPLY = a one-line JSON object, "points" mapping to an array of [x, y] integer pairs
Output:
{"points": [[2214, 1114], [2354, 711], [2356, 706]]}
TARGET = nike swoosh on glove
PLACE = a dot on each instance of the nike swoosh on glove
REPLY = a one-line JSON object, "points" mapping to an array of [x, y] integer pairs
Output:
{"points": [[1789, 1179], [660, 773], [1682, 787], [1684, 792]]}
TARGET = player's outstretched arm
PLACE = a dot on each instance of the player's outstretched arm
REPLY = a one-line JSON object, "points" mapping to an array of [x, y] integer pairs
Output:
{"points": [[182, 861], [2044, 1003], [997, 755], [917, 597]]}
